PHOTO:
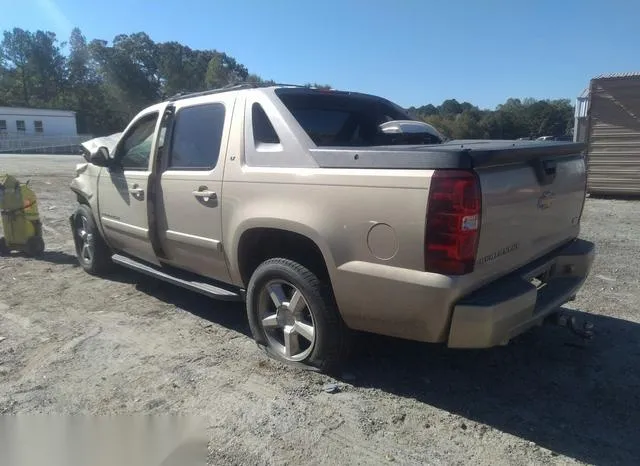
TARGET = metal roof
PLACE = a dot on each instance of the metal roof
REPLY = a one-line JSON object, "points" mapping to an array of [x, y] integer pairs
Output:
{"points": [[618, 75], [613, 136], [5, 109]]}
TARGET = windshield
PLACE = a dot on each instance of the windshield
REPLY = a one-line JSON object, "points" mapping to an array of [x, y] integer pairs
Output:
{"points": [[341, 119]]}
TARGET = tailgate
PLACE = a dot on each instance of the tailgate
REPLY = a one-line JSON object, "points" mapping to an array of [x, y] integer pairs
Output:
{"points": [[532, 199]]}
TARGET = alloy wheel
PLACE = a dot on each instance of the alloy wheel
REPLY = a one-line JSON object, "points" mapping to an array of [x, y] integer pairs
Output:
{"points": [[287, 320], [85, 240]]}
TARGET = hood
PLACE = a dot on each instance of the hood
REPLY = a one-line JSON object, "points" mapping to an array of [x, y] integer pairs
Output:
{"points": [[92, 145]]}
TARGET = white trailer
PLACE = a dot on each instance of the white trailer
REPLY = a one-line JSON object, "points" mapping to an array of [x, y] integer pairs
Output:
{"points": [[23, 122]]}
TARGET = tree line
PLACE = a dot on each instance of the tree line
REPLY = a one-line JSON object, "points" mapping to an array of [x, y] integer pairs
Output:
{"points": [[107, 83], [516, 118]]}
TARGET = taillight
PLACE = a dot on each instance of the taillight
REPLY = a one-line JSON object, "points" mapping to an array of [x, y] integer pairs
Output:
{"points": [[453, 222]]}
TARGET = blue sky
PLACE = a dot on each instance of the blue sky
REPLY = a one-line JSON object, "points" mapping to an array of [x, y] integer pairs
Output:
{"points": [[411, 51]]}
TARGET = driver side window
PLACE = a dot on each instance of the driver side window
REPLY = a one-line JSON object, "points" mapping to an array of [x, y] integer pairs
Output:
{"points": [[135, 150]]}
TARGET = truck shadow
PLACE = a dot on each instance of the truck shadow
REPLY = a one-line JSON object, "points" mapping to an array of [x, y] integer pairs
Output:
{"points": [[53, 257], [59, 258], [580, 401], [583, 402], [230, 315]]}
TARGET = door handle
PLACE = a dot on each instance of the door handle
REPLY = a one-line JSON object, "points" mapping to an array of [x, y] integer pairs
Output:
{"points": [[136, 190], [204, 194]]}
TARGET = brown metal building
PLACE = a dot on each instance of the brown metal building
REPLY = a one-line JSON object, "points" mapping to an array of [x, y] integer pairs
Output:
{"points": [[608, 119]]}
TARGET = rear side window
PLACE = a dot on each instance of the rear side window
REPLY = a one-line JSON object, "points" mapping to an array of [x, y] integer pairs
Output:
{"points": [[197, 136], [263, 130]]}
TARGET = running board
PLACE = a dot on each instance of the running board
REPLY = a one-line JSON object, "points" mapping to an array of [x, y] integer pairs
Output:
{"points": [[182, 279]]}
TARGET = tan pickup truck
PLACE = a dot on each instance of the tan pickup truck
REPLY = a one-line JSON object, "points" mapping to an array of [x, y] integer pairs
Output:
{"points": [[329, 211]]}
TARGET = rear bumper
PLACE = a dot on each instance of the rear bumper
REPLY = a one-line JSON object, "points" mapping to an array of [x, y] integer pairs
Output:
{"points": [[510, 306]]}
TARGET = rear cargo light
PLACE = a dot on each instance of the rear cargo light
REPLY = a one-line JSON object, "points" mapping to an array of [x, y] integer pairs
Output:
{"points": [[453, 222]]}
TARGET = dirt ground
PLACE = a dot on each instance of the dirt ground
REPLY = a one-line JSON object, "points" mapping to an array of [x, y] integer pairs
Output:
{"points": [[70, 343]]}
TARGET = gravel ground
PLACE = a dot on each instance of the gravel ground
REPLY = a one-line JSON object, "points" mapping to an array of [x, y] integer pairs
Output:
{"points": [[71, 343]]}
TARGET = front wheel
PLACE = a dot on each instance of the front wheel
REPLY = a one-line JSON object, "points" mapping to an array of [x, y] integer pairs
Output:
{"points": [[92, 252], [293, 316]]}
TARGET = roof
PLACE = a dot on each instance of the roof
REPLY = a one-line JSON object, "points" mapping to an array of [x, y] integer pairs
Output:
{"points": [[228, 88], [618, 75], [32, 110], [244, 86]]}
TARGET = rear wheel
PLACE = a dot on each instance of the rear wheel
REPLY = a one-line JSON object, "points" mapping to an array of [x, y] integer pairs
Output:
{"points": [[92, 252], [293, 316]]}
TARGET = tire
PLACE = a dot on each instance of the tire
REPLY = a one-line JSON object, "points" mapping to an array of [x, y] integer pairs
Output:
{"points": [[34, 246], [307, 313], [93, 254]]}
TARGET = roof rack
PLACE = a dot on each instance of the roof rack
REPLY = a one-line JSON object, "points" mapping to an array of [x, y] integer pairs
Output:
{"points": [[231, 87]]}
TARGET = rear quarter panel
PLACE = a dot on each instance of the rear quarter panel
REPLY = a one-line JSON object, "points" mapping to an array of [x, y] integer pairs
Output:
{"points": [[337, 209], [358, 218]]}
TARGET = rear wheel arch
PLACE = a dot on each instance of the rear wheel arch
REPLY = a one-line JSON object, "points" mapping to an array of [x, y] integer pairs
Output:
{"points": [[259, 244]]}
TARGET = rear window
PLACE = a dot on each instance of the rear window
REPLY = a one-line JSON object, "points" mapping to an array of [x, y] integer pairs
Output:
{"points": [[322, 125], [340, 119]]}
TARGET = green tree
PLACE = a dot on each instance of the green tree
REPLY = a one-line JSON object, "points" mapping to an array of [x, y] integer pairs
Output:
{"points": [[127, 74], [15, 51], [47, 66], [466, 125], [107, 83], [325, 87], [450, 107], [217, 75]]}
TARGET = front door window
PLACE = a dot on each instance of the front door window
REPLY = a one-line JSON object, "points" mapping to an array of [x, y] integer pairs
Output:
{"points": [[135, 150]]}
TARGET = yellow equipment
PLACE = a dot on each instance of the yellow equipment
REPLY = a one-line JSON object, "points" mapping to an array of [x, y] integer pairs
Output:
{"points": [[20, 218]]}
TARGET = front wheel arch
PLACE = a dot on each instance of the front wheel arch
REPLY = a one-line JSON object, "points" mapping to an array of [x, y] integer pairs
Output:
{"points": [[87, 236], [82, 199]]}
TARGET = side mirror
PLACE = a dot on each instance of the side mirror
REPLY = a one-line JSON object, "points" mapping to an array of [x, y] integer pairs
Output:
{"points": [[100, 158]]}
